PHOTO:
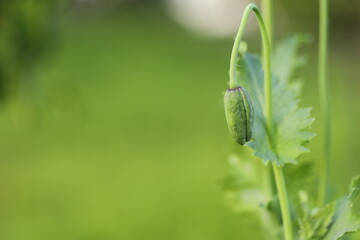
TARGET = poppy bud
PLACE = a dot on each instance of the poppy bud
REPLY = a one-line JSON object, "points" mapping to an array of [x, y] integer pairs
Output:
{"points": [[239, 114]]}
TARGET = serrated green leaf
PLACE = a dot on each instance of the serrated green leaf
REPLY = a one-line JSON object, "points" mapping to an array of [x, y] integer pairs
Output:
{"points": [[315, 223], [242, 186], [285, 58], [291, 122], [354, 196], [321, 220], [300, 176], [243, 190], [347, 216]]}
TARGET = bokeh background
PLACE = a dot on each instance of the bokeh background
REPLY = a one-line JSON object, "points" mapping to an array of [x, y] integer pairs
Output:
{"points": [[111, 117]]}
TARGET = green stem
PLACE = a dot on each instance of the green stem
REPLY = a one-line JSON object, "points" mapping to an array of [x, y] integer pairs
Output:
{"points": [[266, 48], [325, 160], [284, 203], [266, 6]]}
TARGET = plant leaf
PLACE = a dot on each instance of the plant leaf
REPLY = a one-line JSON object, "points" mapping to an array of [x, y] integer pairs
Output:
{"points": [[347, 216], [243, 190], [300, 176], [285, 58], [242, 187], [315, 223], [291, 122]]}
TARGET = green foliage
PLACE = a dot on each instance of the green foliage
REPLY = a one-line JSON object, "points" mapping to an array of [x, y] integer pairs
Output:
{"points": [[243, 185], [291, 122], [29, 29], [347, 215], [285, 58], [314, 223], [300, 176], [247, 193], [243, 190]]}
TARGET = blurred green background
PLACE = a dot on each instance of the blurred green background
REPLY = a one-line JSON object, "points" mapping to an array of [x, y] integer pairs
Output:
{"points": [[112, 125]]}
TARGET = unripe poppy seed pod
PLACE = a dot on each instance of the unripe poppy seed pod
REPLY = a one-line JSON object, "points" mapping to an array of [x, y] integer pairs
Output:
{"points": [[239, 114]]}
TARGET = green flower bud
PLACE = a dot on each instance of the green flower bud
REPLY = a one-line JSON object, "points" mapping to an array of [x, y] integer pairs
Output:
{"points": [[239, 114]]}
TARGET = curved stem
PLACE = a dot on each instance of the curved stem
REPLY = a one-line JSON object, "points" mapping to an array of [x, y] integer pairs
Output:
{"points": [[325, 161], [266, 49], [280, 181]]}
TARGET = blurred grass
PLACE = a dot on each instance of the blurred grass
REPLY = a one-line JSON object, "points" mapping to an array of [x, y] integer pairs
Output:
{"points": [[124, 136]]}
